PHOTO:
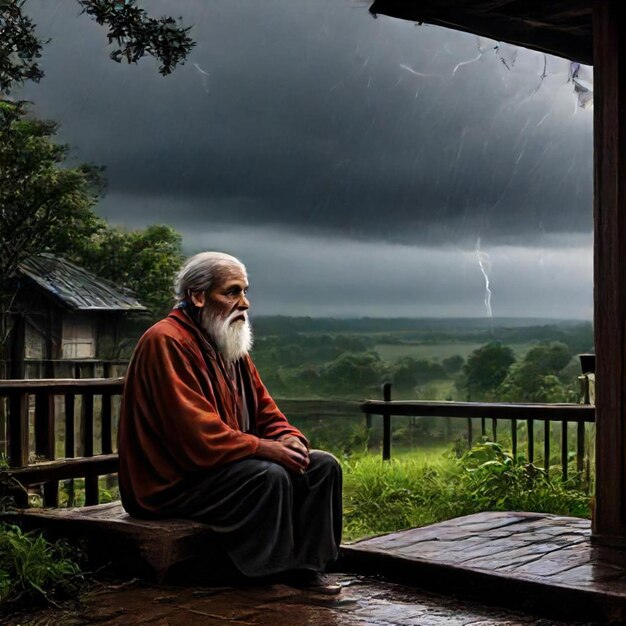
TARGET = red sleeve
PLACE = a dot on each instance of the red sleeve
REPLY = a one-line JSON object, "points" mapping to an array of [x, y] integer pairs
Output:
{"points": [[196, 436], [270, 420]]}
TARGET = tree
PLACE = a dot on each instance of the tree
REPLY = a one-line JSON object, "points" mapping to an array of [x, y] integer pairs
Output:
{"points": [[453, 364], [408, 373], [135, 33], [47, 206], [535, 378], [143, 260], [485, 369], [44, 205], [353, 374]]}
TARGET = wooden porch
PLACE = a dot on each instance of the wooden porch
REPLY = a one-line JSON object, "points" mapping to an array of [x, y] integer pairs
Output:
{"points": [[521, 559], [531, 561]]}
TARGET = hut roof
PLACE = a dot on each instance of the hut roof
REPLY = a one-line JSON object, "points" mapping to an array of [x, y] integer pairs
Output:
{"points": [[77, 288], [560, 27]]}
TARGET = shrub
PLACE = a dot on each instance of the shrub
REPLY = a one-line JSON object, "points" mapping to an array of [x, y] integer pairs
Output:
{"points": [[31, 568], [385, 497]]}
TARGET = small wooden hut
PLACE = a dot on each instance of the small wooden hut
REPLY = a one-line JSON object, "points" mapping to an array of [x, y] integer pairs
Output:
{"points": [[63, 313]]}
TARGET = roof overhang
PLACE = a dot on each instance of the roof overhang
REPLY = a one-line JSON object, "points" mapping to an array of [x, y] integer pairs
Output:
{"points": [[563, 28]]}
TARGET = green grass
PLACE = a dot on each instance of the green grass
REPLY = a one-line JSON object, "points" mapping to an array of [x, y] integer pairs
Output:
{"points": [[412, 491]]}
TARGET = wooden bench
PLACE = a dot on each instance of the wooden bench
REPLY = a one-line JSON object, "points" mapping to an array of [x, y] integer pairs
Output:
{"points": [[113, 538], [120, 542]]}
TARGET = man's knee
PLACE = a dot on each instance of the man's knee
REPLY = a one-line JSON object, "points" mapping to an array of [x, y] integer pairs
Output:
{"points": [[275, 475], [324, 462]]}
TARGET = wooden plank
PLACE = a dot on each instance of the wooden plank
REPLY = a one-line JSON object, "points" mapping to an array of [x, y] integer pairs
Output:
{"points": [[18, 429], [564, 451], [116, 539], [64, 469], [63, 385], [386, 423], [494, 429], [530, 434], [609, 523], [70, 440], [514, 557], [580, 448], [106, 424], [92, 493], [44, 425], [540, 412], [514, 438], [51, 493], [546, 447], [87, 423]]}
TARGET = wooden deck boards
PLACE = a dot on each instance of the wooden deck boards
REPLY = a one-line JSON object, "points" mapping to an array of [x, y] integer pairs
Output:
{"points": [[147, 547], [533, 560]]}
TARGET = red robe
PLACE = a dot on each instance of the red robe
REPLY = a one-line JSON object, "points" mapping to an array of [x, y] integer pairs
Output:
{"points": [[179, 415]]}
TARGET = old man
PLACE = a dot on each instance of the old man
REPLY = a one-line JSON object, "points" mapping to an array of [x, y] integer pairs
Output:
{"points": [[200, 437]]}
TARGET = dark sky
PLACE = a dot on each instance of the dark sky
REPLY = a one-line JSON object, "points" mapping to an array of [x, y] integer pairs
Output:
{"points": [[353, 163]]}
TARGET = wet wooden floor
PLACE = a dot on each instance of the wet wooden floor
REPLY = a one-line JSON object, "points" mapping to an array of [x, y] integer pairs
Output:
{"points": [[363, 602], [530, 560]]}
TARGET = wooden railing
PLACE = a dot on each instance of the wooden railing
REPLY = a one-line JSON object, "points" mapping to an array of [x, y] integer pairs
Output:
{"points": [[31, 453], [68, 368], [37, 439], [579, 414]]}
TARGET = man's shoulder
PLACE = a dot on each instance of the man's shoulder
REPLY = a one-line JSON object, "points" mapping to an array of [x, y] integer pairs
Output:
{"points": [[166, 331]]}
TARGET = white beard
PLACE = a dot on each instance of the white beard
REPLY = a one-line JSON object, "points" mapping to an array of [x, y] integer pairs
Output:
{"points": [[232, 340]]}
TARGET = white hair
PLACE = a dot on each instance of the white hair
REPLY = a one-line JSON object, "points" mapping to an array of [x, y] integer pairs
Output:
{"points": [[202, 271], [233, 339]]}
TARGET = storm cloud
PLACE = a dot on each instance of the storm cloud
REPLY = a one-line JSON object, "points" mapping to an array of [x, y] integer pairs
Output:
{"points": [[374, 150]]}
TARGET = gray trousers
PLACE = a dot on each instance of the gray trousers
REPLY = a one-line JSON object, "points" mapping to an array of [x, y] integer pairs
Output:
{"points": [[269, 519]]}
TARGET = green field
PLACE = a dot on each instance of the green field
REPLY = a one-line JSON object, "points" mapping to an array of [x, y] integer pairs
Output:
{"points": [[440, 351]]}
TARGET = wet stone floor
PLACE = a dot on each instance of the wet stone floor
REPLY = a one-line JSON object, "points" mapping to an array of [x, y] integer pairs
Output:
{"points": [[363, 600]]}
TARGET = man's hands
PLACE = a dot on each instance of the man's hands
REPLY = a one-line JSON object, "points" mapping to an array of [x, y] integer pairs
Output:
{"points": [[289, 451]]}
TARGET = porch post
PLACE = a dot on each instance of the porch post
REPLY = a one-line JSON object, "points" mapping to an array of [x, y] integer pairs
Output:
{"points": [[609, 49]]}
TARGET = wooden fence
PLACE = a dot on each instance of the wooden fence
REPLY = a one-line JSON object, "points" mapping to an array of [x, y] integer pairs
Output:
{"points": [[31, 433], [563, 414], [31, 444]]}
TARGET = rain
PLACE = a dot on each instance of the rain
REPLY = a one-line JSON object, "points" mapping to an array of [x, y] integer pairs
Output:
{"points": [[353, 163]]}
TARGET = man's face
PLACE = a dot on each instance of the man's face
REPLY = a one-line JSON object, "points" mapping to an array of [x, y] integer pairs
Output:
{"points": [[224, 313], [228, 298]]}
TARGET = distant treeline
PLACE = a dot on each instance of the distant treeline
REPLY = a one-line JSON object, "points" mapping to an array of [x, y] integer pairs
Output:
{"points": [[349, 359]]}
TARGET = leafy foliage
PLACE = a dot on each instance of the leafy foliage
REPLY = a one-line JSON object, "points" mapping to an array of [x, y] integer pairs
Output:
{"points": [[32, 568], [43, 203], [535, 378], [453, 364], [138, 35], [135, 33], [485, 369], [385, 497], [409, 372], [19, 46], [47, 206], [142, 260]]}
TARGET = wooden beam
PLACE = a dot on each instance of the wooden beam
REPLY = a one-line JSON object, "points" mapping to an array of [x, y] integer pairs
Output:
{"points": [[609, 521], [541, 412], [64, 469], [64, 385]]}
